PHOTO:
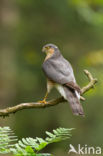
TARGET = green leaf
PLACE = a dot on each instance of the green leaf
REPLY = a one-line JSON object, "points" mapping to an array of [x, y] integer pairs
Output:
{"points": [[30, 150], [6, 140], [44, 154], [50, 134], [30, 146]]}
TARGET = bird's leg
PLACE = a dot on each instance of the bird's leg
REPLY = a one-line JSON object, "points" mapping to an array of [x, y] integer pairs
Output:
{"points": [[50, 85], [45, 97]]}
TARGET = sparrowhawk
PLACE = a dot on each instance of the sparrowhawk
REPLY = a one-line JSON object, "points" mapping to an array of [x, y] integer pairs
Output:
{"points": [[60, 74]]}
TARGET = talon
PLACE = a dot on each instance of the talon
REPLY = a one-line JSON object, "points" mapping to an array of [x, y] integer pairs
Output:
{"points": [[43, 101]]}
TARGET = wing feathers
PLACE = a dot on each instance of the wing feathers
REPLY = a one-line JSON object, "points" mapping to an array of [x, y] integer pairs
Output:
{"points": [[73, 86]]}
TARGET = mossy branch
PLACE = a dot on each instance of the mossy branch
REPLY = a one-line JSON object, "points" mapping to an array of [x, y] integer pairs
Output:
{"points": [[14, 109]]}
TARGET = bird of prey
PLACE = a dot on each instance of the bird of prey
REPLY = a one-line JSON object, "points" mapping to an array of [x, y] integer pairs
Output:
{"points": [[60, 74]]}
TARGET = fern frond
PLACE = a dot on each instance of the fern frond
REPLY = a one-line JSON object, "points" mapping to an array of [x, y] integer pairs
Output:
{"points": [[35, 145], [30, 146], [58, 135], [7, 139]]}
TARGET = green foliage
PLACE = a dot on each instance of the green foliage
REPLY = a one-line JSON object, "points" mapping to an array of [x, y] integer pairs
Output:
{"points": [[6, 138], [90, 10], [30, 146]]}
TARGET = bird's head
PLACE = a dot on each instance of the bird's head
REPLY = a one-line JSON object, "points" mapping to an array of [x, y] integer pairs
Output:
{"points": [[50, 49]]}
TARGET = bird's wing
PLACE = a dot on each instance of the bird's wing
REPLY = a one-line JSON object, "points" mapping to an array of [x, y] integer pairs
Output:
{"points": [[60, 71], [73, 86]]}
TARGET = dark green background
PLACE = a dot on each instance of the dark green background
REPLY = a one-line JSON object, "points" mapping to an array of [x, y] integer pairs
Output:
{"points": [[77, 29]]}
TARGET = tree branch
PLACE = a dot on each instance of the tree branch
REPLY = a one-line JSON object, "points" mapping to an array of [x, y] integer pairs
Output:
{"points": [[14, 109]]}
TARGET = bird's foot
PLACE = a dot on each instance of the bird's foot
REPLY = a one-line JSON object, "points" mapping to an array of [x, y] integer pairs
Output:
{"points": [[43, 101]]}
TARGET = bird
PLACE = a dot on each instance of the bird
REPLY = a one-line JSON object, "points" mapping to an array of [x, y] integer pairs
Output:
{"points": [[60, 75]]}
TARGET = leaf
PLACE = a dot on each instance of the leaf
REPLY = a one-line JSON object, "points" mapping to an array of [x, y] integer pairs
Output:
{"points": [[50, 134], [44, 154], [30, 150], [6, 140], [30, 146]]}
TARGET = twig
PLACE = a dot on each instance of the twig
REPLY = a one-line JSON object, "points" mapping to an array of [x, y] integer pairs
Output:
{"points": [[91, 83], [14, 109]]}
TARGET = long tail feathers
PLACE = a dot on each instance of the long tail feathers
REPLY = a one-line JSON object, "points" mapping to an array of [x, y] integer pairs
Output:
{"points": [[74, 101]]}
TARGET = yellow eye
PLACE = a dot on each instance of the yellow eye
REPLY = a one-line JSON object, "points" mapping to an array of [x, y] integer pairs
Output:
{"points": [[47, 47]]}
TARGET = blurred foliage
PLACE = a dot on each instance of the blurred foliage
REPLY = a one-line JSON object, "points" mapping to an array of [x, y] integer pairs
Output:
{"points": [[90, 10], [95, 58], [76, 27], [30, 146]]}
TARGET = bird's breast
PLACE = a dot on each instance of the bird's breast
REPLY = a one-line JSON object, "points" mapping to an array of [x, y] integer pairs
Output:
{"points": [[49, 54]]}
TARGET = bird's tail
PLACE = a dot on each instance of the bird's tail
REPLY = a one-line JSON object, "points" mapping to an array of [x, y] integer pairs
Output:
{"points": [[74, 101]]}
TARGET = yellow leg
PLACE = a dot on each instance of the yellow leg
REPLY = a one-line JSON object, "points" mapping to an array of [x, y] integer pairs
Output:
{"points": [[45, 97]]}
